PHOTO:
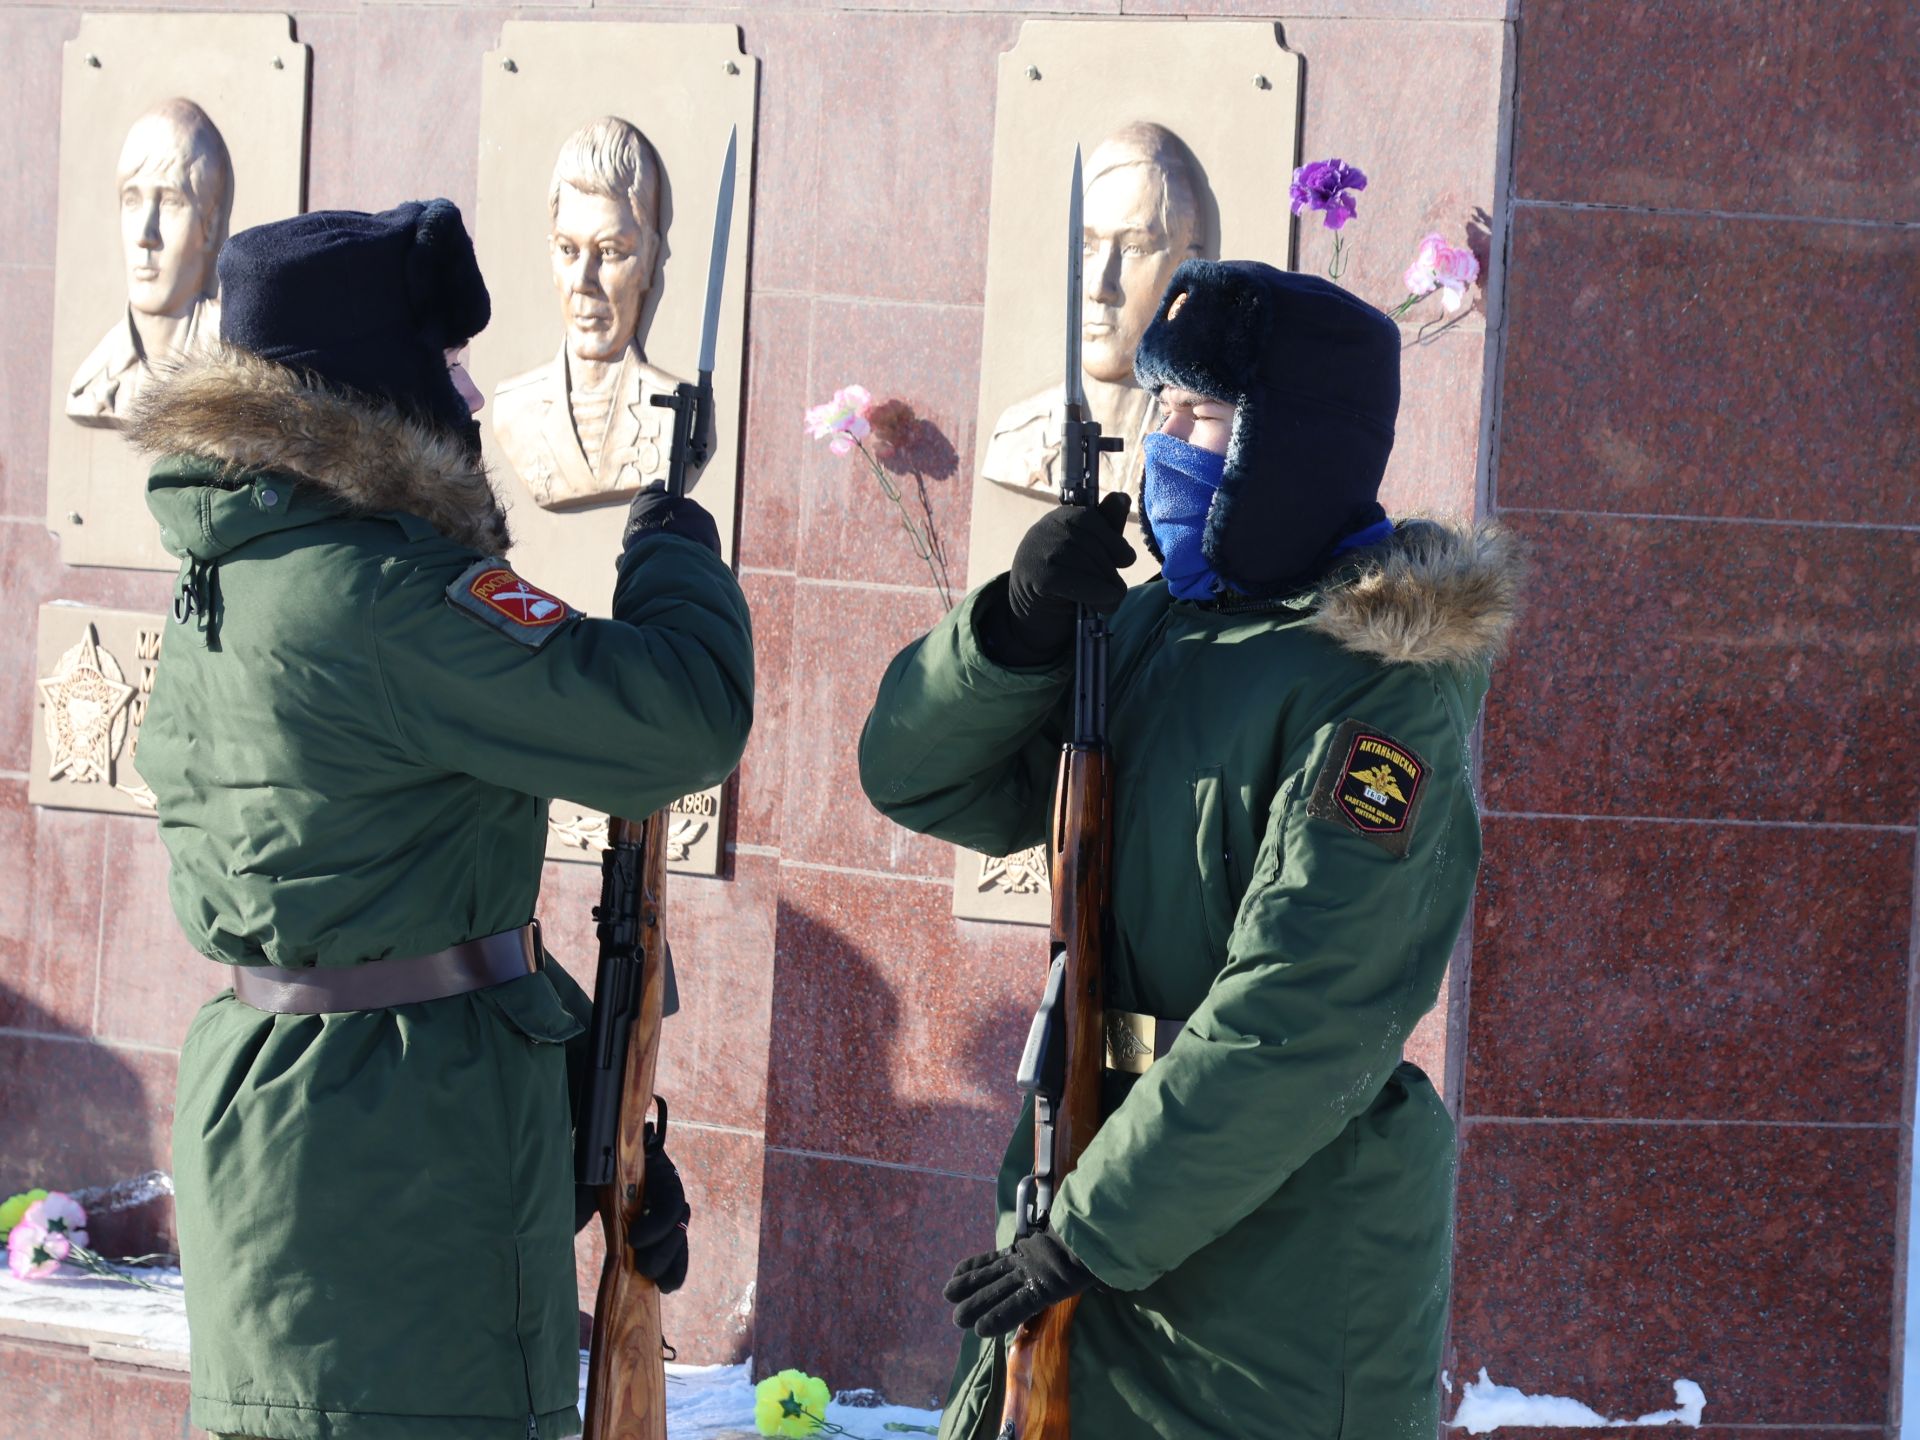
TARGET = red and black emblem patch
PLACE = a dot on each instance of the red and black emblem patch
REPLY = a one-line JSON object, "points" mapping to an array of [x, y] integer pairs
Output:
{"points": [[1372, 783], [491, 592]]}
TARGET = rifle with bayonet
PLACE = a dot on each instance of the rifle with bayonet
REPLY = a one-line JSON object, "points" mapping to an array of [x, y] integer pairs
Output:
{"points": [[626, 1373], [1062, 1063]]}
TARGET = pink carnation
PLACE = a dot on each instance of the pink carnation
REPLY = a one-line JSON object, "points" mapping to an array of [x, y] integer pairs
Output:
{"points": [[842, 421], [1440, 266], [34, 1253], [59, 1214]]}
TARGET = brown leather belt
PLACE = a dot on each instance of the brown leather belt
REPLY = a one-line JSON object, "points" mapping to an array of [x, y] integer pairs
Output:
{"points": [[381, 984]]}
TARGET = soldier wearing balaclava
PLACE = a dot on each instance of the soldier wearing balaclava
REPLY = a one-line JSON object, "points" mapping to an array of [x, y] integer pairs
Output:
{"points": [[1259, 1233]]}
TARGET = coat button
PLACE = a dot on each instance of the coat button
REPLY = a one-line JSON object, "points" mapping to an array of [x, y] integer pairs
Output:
{"points": [[269, 498]]}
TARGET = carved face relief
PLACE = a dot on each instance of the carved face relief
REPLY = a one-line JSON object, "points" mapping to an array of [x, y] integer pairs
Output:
{"points": [[602, 255], [168, 235], [1129, 260]]}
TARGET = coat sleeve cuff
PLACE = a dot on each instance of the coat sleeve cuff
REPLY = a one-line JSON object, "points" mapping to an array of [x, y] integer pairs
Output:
{"points": [[1094, 1249]]}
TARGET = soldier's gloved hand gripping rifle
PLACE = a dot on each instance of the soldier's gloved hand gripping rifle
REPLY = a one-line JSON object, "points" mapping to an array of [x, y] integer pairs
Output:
{"points": [[626, 1376], [1065, 1049]]}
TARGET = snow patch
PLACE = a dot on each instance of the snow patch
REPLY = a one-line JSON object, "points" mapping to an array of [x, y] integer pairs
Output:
{"points": [[715, 1402], [125, 1194], [1487, 1406]]}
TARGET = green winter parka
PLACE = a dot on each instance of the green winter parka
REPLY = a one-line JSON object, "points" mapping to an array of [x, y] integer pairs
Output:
{"points": [[1268, 1207], [376, 1208]]}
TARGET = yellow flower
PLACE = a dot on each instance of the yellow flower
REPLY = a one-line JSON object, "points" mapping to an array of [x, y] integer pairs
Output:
{"points": [[15, 1207], [792, 1403]]}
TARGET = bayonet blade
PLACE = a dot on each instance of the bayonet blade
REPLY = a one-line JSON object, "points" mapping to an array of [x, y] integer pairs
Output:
{"points": [[1076, 246], [717, 264]]}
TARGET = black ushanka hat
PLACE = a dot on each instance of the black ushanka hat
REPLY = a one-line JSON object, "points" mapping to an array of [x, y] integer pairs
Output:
{"points": [[366, 303], [1315, 374]]}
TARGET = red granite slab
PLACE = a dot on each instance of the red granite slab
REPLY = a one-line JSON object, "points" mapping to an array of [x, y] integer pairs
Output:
{"points": [[866, 1247], [49, 1389], [1787, 106], [135, 1403], [1659, 971], [1436, 445], [1642, 376], [772, 464], [1417, 108], [33, 40], [1605, 1261], [1332, 9], [333, 183], [927, 357], [151, 981], [761, 781], [896, 1028], [786, 148], [713, 1054], [49, 915], [708, 1321], [1708, 670], [26, 299], [905, 154], [843, 640]]}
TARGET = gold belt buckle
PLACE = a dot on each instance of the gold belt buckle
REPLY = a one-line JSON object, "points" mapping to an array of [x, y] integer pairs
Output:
{"points": [[1129, 1042]]}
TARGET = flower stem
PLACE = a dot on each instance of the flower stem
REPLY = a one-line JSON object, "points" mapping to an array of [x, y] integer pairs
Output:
{"points": [[1337, 266], [921, 537], [1404, 306], [87, 1260]]}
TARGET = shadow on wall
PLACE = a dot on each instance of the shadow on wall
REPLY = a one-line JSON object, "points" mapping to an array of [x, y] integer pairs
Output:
{"points": [[910, 1069], [76, 1116]]}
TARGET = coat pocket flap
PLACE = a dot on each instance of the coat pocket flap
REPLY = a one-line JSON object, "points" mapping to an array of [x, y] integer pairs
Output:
{"points": [[530, 1005]]}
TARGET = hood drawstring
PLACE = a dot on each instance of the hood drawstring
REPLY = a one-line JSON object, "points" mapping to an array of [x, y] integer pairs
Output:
{"points": [[197, 592]]}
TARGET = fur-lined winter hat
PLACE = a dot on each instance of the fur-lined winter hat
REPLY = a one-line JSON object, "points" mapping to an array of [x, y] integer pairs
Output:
{"points": [[366, 303], [1315, 373]]}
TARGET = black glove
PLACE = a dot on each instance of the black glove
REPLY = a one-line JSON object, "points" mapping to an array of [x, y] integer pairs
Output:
{"points": [[1071, 556], [997, 1293], [658, 1235], [654, 510]]}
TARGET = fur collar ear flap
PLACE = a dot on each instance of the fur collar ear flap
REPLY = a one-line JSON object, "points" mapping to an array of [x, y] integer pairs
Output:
{"points": [[1434, 594], [1314, 374], [251, 414]]}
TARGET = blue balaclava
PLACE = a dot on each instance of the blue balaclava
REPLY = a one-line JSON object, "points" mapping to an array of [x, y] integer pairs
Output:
{"points": [[1314, 375], [365, 303]]}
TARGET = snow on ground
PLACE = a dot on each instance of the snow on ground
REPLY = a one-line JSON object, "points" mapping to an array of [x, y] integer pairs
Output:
{"points": [[98, 1309], [1487, 1406], [715, 1402]]}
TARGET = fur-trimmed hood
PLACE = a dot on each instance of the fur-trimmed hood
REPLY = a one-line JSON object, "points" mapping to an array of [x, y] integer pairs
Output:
{"points": [[248, 414], [1433, 594]]}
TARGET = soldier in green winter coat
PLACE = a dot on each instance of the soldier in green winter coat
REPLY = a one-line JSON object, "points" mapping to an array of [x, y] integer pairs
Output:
{"points": [[1261, 1228], [353, 740]]}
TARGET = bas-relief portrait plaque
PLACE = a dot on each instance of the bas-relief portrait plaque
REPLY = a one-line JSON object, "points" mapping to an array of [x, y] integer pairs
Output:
{"points": [[1190, 133], [599, 166], [175, 130], [93, 676]]}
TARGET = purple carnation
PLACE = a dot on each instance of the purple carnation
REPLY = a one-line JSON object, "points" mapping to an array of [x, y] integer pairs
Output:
{"points": [[1324, 185]]}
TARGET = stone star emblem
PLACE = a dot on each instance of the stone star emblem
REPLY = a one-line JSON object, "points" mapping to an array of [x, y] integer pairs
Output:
{"points": [[86, 700]]}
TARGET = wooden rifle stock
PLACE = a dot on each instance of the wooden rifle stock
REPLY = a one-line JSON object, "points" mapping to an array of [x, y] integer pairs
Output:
{"points": [[1036, 1406], [626, 1371]]}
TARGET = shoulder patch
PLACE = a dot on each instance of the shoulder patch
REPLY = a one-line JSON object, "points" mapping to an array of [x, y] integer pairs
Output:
{"points": [[1371, 783], [490, 592]]}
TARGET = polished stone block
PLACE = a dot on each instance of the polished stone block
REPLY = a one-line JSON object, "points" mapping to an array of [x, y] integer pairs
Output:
{"points": [[1788, 106], [1643, 377], [929, 358], [1709, 671], [1763, 976], [896, 1028], [1605, 1261], [852, 1260]]}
